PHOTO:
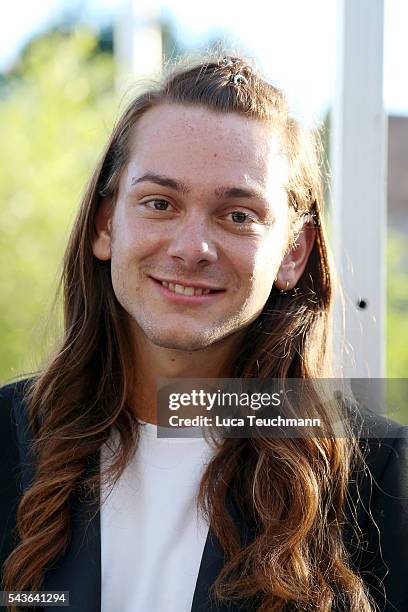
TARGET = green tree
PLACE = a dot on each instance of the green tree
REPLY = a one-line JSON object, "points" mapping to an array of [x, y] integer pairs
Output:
{"points": [[56, 110], [397, 306]]}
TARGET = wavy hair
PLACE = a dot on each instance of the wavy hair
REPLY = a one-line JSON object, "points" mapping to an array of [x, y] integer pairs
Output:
{"points": [[291, 493]]}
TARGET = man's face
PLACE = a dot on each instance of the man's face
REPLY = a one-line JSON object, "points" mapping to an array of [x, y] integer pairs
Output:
{"points": [[201, 204]]}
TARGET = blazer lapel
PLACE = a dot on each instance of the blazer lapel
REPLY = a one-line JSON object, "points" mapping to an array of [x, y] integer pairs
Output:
{"points": [[213, 561], [79, 569], [211, 564]]}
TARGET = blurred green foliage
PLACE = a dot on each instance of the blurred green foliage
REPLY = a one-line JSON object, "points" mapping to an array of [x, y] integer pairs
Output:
{"points": [[397, 305], [56, 110]]}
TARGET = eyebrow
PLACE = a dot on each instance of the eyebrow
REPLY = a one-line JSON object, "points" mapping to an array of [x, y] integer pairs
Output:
{"points": [[159, 179], [220, 192]]}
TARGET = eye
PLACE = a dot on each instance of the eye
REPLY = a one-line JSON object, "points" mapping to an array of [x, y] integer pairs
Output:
{"points": [[239, 217], [157, 204]]}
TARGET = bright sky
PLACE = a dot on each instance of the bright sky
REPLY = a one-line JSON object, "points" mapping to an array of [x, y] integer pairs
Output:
{"points": [[293, 40]]}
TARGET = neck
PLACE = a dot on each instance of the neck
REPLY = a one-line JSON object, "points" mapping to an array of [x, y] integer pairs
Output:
{"points": [[154, 362]]}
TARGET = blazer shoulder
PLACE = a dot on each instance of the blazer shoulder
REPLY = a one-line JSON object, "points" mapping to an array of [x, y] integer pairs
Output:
{"points": [[13, 412], [11, 403], [15, 425], [11, 417], [377, 435], [379, 547]]}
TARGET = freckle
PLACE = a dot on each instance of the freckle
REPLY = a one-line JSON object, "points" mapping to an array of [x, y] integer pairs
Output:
{"points": [[215, 155]]}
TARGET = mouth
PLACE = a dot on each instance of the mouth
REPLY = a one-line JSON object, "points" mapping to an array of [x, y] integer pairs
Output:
{"points": [[188, 290]]}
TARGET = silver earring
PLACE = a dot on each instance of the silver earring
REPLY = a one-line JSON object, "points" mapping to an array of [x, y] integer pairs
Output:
{"points": [[239, 78]]}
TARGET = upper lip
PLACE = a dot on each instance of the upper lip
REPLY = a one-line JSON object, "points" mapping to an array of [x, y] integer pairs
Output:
{"points": [[195, 284]]}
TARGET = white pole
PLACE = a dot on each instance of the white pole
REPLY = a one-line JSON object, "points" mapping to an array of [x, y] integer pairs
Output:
{"points": [[358, 156], [138, 43]]}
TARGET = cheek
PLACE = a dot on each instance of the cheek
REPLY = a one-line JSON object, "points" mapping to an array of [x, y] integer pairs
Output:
{"points": [[266, 265], [133, 240], [253, 267]]}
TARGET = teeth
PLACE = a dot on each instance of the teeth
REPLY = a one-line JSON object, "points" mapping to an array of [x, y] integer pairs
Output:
{"points": [[185, 290]]}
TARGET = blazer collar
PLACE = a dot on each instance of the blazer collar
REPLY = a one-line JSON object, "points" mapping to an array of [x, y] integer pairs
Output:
{"points": [[79, 569]]}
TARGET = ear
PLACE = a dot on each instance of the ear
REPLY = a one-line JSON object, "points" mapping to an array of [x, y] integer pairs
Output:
{"points": [[101, 245], [294, 262]]}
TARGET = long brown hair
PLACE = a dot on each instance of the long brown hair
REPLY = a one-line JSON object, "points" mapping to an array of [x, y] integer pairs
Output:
{"points": [[292, 492]]}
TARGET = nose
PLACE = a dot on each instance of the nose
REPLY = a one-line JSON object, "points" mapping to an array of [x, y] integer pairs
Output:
{"points": [[192, 243]]}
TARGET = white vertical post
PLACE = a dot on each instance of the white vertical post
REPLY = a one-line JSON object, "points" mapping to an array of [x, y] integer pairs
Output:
{"points": [[358, 156], [138, 42]]}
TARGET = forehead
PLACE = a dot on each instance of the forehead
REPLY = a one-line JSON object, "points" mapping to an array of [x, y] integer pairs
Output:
{"points": [[202, 147]]}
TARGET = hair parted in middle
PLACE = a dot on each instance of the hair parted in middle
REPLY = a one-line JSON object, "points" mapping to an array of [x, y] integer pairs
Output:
{"points": [[291, 493]]}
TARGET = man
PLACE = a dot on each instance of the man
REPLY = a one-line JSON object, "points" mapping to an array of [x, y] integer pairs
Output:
{"points": [[198, 252]]}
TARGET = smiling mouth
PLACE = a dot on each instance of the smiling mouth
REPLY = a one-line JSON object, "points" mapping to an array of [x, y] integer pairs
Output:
{"points": [[185, 289]]}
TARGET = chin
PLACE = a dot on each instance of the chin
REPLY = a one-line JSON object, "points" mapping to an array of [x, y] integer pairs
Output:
{"points": [[182, 342]]}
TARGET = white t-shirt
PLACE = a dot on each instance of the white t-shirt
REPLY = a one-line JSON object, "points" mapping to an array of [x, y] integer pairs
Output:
{"points": [[152, 535]]}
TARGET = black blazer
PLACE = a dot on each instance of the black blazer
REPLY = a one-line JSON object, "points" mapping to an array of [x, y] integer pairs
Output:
{"points": [[382, 560]]}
